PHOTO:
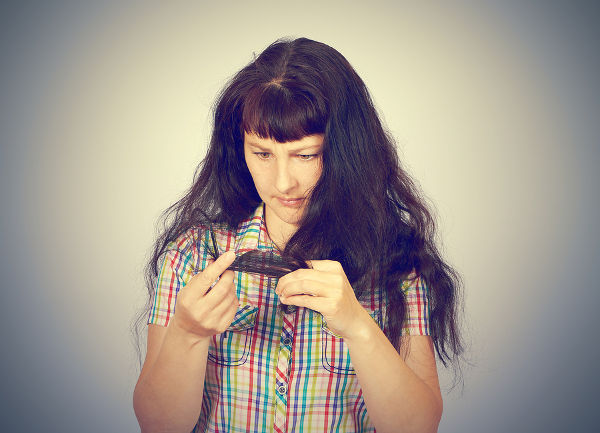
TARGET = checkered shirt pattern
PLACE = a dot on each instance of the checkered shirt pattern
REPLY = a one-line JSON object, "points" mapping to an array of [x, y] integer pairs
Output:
{"points": [[272, 371]]}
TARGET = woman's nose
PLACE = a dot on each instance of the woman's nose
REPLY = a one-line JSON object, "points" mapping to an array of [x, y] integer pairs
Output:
{"points": [[284, 181]]}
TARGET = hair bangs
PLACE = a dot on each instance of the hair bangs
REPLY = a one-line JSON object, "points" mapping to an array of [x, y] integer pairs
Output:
{"points": [[282, 114]]}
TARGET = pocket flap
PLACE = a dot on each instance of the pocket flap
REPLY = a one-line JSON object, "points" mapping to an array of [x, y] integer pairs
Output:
{"points": [[245, 318]]}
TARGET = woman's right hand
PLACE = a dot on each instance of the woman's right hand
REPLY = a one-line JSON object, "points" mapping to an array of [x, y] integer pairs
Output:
{"points": [[168, 394], [202, 312]]}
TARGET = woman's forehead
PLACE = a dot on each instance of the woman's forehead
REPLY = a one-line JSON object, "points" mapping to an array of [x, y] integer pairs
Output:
{"points": [[313, 140]]}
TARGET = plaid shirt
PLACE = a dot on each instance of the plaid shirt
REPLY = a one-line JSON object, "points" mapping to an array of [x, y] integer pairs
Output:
{"points": [[272, 371]]}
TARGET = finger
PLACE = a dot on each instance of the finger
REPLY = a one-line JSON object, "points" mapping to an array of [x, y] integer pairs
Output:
{"points": [[222, 288], [204, 280], [326, 265], [225, 305], [221, 315], [222, 292], [306, 287], [306, 301], [300, 274]]}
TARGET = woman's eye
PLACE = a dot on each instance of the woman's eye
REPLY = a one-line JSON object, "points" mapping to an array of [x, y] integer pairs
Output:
{"points": [[263, 155], [306, 157]]}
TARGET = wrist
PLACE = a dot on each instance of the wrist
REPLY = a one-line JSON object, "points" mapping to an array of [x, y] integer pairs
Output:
{"points": [[362, 330], [179, 333]]}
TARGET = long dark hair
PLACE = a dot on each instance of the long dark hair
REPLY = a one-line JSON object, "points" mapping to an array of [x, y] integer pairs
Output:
{"points": [[364, 211]]}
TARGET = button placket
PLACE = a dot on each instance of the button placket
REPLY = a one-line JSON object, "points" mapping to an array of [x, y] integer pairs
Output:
{"points": [[282, 376]]}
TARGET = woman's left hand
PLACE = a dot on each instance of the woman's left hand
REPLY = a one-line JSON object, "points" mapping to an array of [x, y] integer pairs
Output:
{"points": [[326, 289]]}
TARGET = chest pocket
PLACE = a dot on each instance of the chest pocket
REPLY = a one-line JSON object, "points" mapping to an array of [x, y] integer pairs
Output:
{"points": [[231, 348], [335, 355]]}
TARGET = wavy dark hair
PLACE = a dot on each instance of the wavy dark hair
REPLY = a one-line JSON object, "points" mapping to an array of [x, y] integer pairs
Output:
{"points": [[364, 211]]}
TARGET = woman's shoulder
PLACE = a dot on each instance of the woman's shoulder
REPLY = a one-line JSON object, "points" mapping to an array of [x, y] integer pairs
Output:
{"points": [[221, 235], [186, 240]]}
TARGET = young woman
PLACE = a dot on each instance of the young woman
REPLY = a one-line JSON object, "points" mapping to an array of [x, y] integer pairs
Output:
{"points": [[301, 175]]}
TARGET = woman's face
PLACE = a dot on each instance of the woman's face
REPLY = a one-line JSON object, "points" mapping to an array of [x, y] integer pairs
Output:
{"points": [[284, 175]]}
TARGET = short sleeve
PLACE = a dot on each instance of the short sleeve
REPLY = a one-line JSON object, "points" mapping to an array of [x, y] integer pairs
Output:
{"points": [[179, 265], [417, 312]]}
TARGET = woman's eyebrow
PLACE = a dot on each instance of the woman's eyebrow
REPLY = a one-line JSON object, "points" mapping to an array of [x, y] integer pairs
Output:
{"points": [[297, 149], [306, 147], [258, 146]]}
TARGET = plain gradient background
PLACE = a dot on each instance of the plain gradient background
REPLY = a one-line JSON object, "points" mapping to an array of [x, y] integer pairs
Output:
{"points": [[105, 113]]}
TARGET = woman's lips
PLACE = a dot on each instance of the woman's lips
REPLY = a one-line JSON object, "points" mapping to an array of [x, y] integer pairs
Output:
{"points": [[290, 202]]}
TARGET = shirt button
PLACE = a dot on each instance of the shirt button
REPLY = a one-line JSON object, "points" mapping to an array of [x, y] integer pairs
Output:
{"points": [[282, 389], [288, 309], [287, 341]]}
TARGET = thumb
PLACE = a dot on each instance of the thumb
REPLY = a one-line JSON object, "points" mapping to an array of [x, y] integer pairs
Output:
{"points": [[203, 280]]}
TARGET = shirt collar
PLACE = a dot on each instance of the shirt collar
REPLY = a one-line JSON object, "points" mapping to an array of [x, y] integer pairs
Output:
{"points": [[252, 233]]}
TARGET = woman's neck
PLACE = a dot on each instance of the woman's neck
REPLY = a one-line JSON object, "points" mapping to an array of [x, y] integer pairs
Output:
{"points": [[279, 232]]}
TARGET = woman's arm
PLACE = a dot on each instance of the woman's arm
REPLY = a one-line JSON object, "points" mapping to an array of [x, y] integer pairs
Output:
{"points": [[402, 395], [168, 394]]}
